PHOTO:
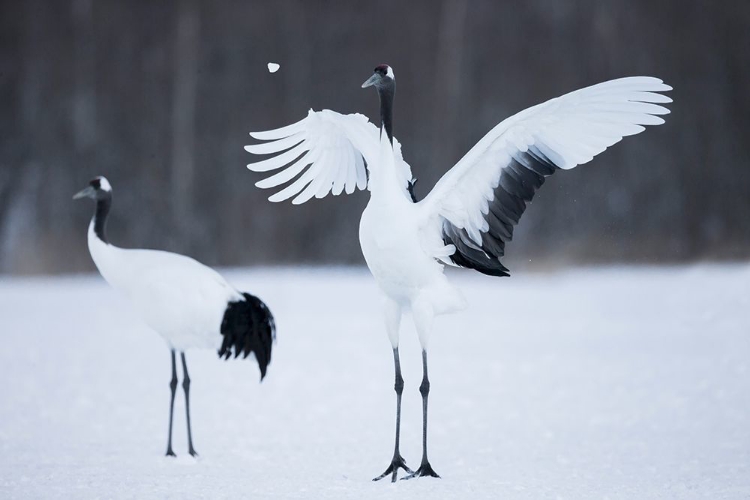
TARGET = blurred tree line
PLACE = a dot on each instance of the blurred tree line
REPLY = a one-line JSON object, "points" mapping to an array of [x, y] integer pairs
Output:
{"points": [[159, 96]]}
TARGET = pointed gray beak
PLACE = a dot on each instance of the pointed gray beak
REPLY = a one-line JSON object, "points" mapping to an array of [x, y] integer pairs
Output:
{"points": [[89, 192], [371, 81]]}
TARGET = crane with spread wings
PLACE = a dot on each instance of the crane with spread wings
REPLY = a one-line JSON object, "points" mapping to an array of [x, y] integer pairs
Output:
{"points": [[469, 215]]}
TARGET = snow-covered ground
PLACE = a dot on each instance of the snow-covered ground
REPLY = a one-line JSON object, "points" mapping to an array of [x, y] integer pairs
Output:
{"points": [[619, 383]]}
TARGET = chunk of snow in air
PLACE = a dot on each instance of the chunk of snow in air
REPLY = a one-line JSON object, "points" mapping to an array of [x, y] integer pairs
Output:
{"points": [[273, 67]]}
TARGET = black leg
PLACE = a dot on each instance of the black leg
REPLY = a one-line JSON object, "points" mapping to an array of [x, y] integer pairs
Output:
{"points": [[173, 387], [397, 461], [186, 387], [425, 469]]}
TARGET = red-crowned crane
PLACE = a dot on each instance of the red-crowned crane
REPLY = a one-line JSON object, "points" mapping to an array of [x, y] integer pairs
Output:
{"points": [[469, 216], [188, 304]]}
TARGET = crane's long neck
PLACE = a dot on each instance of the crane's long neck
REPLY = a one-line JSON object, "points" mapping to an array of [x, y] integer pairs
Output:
{"points": [[100, 217], [386, 93], [385, 183]]}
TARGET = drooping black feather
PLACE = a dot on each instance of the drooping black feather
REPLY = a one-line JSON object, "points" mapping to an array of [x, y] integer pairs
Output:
{"points": [[518, 183], [468, 254], [248, 326]]}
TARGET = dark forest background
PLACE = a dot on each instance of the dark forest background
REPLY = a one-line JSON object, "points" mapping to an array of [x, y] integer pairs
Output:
{"points": [[159, 96]]}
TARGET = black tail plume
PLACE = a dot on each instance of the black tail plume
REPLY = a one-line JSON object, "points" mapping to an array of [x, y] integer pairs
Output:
{"points": [[248, 326]]}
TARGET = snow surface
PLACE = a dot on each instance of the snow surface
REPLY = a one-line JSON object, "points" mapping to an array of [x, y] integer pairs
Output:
{"points": [[617, 383]]}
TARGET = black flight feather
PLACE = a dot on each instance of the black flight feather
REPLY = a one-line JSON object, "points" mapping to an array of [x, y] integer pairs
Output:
{"points": [[519, 181]]}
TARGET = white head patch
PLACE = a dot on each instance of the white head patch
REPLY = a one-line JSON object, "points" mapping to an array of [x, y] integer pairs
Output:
{"points": [[390, 73], [104, 184]]}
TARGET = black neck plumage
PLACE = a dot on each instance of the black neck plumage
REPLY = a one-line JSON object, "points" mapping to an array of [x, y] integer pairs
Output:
{"points": [[100, 217], [386, 93]]}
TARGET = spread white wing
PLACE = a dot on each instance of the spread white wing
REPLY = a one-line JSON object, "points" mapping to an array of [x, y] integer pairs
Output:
{"points": [[475, 205], [323, 153]]}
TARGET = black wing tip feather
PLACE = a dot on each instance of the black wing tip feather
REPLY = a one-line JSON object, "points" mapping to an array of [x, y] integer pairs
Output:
{"points": [[248, 327]]}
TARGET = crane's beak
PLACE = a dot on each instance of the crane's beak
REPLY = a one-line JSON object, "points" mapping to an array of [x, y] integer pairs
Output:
{"points": [[371, 81], [89, 192]]}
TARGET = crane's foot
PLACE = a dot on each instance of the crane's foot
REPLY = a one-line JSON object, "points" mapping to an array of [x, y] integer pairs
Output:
{"points": [[397, 463], [170, 453], [192, 452], [425, 470]]}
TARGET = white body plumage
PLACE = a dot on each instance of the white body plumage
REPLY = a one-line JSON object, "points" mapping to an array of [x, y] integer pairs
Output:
{"points": [[178, 297], [400, 258]]}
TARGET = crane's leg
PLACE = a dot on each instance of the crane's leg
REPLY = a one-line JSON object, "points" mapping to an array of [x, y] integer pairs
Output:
{"points": [[425, 469], [393, 321], [186, 388], [173, 387], [423, 316], [397, 461]]}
